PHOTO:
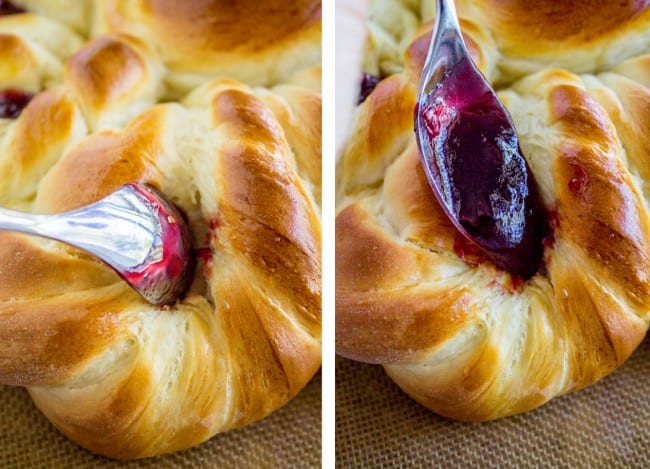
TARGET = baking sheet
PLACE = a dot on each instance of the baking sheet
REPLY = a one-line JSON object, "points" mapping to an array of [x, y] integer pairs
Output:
{"points": [[605, 425], [290, 437]]}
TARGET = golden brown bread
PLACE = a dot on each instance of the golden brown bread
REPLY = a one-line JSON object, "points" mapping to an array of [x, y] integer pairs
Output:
{"points": [[463, 338], [260, 43], [517, 36], [119, 376]]}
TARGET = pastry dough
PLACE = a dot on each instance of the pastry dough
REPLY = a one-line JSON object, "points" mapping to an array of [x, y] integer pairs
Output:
{"points": [[120, 376], [463, 338]]}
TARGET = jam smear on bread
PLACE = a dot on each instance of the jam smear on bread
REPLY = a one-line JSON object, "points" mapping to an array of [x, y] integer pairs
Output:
{"points": [[12, 102], [8, 8], [368, 83]]}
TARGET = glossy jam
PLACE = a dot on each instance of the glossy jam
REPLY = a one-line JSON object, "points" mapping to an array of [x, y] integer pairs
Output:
{"points": [[368, 83], [475, 166], [171, 276], [12, 102], [8, 8]]}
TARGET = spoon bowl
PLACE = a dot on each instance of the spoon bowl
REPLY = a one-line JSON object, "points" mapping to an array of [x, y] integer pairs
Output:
{"points": [[135, 230], [471, 156]]}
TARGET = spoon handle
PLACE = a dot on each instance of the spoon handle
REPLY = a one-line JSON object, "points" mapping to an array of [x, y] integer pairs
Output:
{"points": [[446, 49], [116, 229]]}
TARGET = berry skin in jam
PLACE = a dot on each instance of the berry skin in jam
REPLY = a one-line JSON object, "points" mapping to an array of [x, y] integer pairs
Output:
{"points": [[475, 166], [12, 102], [8, 8]]}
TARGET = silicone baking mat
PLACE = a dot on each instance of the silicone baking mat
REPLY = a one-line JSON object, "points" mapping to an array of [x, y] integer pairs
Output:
{"points": [[605, 425], [290, 437]]}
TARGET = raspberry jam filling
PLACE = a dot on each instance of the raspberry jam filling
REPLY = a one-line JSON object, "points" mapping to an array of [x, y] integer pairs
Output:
{"points": [[474, 165], [205, 252], [170, 275], [368, 83], [12, 102], [8, 8]]}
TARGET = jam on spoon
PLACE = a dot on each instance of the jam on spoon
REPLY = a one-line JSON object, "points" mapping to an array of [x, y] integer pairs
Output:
{"points": [[136, 230], [471, 155], [12, 102]]}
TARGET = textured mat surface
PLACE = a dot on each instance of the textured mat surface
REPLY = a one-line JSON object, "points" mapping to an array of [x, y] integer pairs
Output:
{"points": [[605, 425], [290, 437]]}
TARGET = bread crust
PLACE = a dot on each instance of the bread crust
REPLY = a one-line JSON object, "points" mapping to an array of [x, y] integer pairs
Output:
{"points": [[259, 43]]}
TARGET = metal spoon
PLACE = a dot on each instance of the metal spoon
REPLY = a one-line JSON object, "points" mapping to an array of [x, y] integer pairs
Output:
{"points": [[471, 156], [134, 230]]}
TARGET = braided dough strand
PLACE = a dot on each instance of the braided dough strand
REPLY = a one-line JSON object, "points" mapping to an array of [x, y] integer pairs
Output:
{"points": [[461, 337], [114, 373]]}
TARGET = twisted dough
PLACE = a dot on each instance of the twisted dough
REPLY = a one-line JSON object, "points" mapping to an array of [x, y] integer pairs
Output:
{"points": [[464, 339], [114, 373]]}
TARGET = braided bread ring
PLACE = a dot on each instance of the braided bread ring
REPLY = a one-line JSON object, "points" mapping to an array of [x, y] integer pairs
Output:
{"points": [[119, 376], [462, 338]]}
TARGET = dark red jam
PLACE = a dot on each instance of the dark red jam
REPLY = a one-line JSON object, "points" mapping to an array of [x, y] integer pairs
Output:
{"points": [[213, 226], [475, 166], [8, 8], [368, 83], [12, 102], [204, 254], [170, 277], [468, 251]]}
